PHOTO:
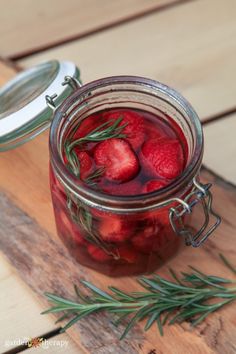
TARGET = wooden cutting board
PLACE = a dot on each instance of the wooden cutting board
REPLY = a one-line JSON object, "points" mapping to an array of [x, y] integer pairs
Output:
{"points": [[28, 239]]}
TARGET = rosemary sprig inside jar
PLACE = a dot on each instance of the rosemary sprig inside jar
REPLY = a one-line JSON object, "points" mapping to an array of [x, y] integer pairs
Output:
{"points": [[79, 213], [108, 130], [162, 301]]}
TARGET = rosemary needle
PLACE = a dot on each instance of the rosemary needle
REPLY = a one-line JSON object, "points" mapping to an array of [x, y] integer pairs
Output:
{"points": [[162, 301], [108, 130]]}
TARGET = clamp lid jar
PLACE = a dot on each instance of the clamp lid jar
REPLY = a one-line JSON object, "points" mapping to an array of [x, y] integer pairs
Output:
{"points": [[157, 222]]}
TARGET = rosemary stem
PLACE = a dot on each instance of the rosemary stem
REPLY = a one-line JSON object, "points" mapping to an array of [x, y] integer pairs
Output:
{"points": [[162, 301]]}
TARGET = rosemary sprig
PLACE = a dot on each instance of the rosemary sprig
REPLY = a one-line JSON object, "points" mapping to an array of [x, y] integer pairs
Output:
{"points": [[108, 130], [94, 176], [81, 216], [162, 301]]}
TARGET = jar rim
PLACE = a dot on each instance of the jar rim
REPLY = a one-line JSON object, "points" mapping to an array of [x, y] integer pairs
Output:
{"points": [[125, 203]]}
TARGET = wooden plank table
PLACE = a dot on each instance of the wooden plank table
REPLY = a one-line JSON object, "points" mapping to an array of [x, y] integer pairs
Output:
{"points": [[202, 67], [32, 27]]}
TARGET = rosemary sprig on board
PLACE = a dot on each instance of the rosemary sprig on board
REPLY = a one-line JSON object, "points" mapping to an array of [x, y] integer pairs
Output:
{"points": [[108, 130], [162, 301]]}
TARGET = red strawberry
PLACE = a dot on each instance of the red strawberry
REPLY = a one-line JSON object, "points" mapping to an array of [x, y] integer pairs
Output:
{"points": [[98, 254], [114, 229], [128, 188], [79, 238], [85, 163], [163, 157], [154, 185], [135, 125], [87, 125], [152, 132], [69, 229], [147, 240], [128, 254], [120, 162]]}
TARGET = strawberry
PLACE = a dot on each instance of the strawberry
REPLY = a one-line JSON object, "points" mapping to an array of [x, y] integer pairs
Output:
{"points": [[98, 254], [114, 229], [87, 125], [152, 132], [154, 185], [163, 157], [128, 188], [69, 229], [85, 163], [120, 162], [147, 240], [79, 238], [128, 254], [134, 128]]}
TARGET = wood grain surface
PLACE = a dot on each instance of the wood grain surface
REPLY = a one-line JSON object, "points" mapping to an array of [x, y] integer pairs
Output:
{"points": [[28, 25], [19, 315], [46, 266], [190, 47], [19, 303], [6, 72], [220, 147], [29, 241], [20, 319]]}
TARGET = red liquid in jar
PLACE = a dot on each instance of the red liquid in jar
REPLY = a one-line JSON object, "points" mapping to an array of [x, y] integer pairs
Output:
{"points": [[151, 153]]}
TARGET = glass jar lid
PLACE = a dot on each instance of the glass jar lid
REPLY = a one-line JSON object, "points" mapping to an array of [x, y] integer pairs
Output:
{"points": [[24, 112]]}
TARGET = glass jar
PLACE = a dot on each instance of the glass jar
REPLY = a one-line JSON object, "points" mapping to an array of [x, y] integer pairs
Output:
{"points": [[156, 224]]}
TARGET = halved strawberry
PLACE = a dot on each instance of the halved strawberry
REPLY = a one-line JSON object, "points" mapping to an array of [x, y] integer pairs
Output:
{"points": [[87, 125], [124, 189], [147, 240], [85, 163], [163, 157], [152, 131], [70, 230], [114, 229], [120, 162], [134, 129], [154, 185], [98, 254]]}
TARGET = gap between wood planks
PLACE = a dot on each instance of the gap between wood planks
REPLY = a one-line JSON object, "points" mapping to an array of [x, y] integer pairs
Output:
{"points": [[101, 28], [205, 121], [221, 115]]}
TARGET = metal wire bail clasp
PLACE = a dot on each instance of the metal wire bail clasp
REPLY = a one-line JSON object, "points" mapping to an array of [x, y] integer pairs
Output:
{"points": [[200, 194], [70, 81]]}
